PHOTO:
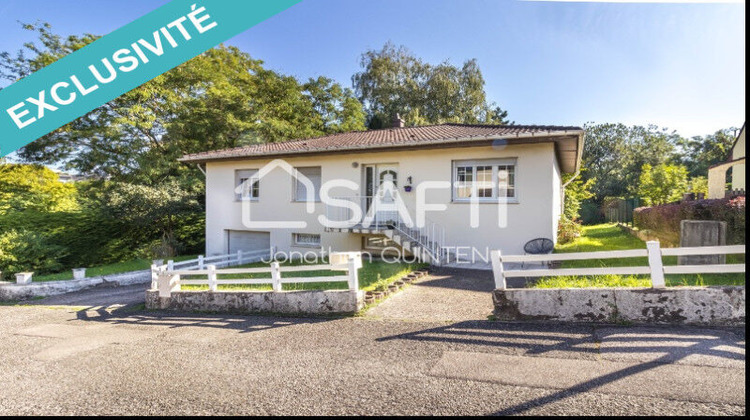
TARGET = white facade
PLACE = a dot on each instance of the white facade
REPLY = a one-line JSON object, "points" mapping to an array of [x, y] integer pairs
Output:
{"points": [[534, 212]]}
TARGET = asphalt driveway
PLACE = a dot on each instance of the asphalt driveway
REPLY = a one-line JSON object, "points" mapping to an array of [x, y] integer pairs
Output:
{"points": [[109, 356]]}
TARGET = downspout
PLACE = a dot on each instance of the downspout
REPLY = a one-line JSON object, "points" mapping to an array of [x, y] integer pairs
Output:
{"points": [[201, 169]]}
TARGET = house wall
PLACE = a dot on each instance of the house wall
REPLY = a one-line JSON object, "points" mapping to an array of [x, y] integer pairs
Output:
{"points": [[535, 215], [738, 171]]}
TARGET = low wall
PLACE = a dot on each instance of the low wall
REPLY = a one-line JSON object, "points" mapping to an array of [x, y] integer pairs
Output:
{"points": [[646, 235], [291, 302], [713, 305], [13, 291]]}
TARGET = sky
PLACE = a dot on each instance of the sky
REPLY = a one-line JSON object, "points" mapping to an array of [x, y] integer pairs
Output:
{"points": [[679, 65]]}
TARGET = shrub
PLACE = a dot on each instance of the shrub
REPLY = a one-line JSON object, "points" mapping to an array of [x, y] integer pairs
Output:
{"points": [[664, 221], [568, 230], [23, 250]]}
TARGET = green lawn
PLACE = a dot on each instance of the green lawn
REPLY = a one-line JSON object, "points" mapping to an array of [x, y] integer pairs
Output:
{"points": [[104, 270], [373, 275], [609, 237]]}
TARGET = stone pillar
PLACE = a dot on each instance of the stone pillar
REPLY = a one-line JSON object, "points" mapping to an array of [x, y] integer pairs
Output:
{"points": [[702, 233]]}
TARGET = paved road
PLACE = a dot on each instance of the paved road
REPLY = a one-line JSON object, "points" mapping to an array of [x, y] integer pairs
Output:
{"points": [[108, 356]]}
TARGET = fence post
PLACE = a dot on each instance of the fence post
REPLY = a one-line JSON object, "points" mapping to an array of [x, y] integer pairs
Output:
{"points": [[170, 265], [276, 276], [200, 262], [353, 275], [168, 283], [655, 264], [497, 269], [212, 285], [239, 257], [154, 277]]}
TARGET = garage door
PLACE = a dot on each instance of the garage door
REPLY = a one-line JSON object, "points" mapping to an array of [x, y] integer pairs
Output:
{"points": [[248, 241]]}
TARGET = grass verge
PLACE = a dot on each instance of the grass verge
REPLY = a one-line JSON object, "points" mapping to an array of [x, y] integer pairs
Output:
{"points": [[109, 269], [609, 237], [373, 275]]}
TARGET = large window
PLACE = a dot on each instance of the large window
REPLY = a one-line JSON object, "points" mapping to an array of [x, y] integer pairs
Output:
{"points": [[246, 188], [300, 190], [307, 239], [487, 180]]}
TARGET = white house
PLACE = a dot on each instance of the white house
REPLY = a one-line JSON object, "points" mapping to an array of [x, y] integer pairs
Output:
{"points": [[498, 173]]}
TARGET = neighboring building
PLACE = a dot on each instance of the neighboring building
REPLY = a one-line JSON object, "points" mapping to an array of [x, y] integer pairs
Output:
{"points": [[522, 166], [717, 174], [68, 177]]}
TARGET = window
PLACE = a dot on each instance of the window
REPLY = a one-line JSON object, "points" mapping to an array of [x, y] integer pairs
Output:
{"points": [[307, 239], [247, 185], [300, 190], [378, 242], [487, 180]]}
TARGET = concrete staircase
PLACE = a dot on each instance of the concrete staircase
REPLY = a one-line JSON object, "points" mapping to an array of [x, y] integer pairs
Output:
{"points": [[419, 243]]}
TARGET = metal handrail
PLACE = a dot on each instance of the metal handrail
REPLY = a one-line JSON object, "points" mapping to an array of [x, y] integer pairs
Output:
{"points": [[430, 237]]}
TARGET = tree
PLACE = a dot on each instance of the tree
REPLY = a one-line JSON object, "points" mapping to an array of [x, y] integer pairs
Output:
{"points": [[222, 98], [614, 155], [337, 109], [153, 214], [662, 184], [699, 185], [33, 187], [575, 193], [700, 152], [393, 81]]}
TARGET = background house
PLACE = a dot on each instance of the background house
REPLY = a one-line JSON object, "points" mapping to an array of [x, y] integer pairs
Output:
{"points": [[717, 174]]}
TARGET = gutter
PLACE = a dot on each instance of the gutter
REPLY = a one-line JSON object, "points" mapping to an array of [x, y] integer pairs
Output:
{"points": [[575, 175]]}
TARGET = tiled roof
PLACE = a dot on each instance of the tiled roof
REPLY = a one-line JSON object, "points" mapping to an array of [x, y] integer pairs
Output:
{"points": [[387, 138]]}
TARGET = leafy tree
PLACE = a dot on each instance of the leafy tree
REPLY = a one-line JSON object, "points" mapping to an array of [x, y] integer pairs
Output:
{"points": [[662, 184], [154, 214], [219, 99], [575, 193], [393, 81], [33, 187], [22, 251], [700, 152], [699, 184], [614, 155], [337, 109]]}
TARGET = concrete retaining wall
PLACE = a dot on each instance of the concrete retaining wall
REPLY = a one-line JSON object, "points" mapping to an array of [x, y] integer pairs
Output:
{"points": [[714, 305], [292, 302], [646, 235], [13, 291]]}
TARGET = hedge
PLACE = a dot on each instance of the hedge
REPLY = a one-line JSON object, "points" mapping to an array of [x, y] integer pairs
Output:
{"points": [[664, 220]]}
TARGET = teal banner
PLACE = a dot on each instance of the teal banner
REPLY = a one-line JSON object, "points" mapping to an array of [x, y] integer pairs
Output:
{"points": [[121, 61]]}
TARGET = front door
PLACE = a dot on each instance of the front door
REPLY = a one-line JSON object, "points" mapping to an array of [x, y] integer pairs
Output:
{"points": [[375, 177]]}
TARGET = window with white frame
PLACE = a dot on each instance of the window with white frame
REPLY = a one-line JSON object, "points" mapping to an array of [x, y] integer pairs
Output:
{"points": [[247, 185], [307, 239], [300, 189], [487, 180]]}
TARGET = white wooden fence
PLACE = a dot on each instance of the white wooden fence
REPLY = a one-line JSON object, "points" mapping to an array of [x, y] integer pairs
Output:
{"points": [[656, 269], [168, 280]]}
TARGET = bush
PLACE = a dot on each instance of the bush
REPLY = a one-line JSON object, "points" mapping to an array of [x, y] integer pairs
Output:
{"points": [[22, 251], [568, 230], [664, 221]]}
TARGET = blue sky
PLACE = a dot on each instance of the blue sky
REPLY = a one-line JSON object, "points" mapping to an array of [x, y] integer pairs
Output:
{"points": [[676, 65]]}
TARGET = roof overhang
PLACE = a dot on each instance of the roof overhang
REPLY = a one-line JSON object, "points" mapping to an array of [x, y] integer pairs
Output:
{"points": [[568, 147]]}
